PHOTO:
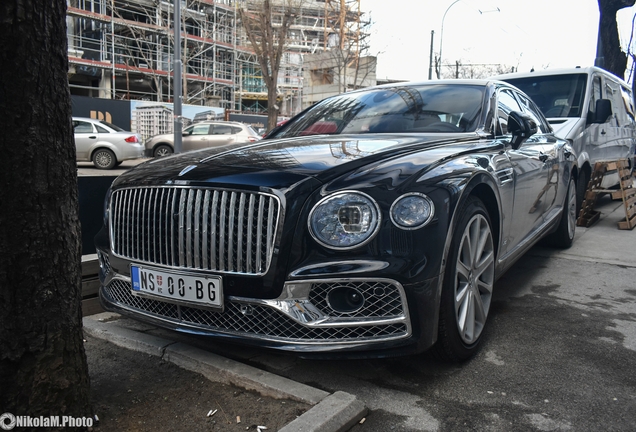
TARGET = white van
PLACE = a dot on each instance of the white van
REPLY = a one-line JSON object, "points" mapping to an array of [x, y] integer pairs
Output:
{"points": [[591, 108]]}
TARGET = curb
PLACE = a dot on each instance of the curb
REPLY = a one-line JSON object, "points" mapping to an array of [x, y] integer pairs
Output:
{"points": [[335, 412]]}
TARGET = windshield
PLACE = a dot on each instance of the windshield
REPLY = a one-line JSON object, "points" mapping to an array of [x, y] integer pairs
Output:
{"points": [[444, 108], [555, 95]]}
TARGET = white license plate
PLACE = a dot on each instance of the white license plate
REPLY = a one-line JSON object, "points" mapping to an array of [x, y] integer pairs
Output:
{"points": [[206, 290]]}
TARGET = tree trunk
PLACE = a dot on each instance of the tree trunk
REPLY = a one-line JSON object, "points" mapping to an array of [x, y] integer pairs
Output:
{"points": [[43, 368], [614, 59], [272, 107]]}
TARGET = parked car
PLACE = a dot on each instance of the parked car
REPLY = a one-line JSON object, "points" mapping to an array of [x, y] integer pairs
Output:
{"points": [[591, 108], [104, 144], [383, 233], [202, 135]]}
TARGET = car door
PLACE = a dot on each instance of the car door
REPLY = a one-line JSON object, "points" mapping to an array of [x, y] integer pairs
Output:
{"points": [[196, 137], [85, 137], [551, 195], [532, 165], [222, 134]]}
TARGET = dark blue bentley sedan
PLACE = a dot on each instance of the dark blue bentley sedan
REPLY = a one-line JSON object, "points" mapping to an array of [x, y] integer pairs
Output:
{"points": [[374, 223]]}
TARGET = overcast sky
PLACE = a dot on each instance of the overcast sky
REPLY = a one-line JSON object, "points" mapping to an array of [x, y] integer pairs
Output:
{"points": [[521, 33]]}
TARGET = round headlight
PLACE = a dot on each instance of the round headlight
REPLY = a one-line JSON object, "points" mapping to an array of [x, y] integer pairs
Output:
{"points": [[412, 211], [344, 220]]}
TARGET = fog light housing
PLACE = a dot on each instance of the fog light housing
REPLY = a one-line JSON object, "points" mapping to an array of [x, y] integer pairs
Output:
{"points": [[345, 299]]}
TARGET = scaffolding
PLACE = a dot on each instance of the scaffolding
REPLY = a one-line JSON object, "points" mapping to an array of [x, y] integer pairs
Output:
{"points": [[123, 50]]}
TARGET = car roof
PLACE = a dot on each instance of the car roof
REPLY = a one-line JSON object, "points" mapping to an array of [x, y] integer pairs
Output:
{"points": [[218, 122], [555, 71], [86, 119]]}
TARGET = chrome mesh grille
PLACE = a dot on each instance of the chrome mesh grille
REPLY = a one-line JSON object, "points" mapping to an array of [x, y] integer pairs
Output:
{"points": [[250, 320], [382, 299], [195, 228]]}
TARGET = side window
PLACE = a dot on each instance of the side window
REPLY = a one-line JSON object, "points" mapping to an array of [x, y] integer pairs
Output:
{"points": [[236, 129], [506, 103], [82, 127], [101, 129], [596, 94], [616, 97], [531, 109], [222, 130], [628, 104], [201, 129]]}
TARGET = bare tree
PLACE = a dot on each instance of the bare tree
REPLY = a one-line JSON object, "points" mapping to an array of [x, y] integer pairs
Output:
{"points": [[43, 369], [613, 58], [266, 24], [463, 70]]}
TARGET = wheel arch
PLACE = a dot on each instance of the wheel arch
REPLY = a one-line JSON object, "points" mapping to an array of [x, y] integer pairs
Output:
{"points": [[160, 143], [484, 187], [102, 146]]}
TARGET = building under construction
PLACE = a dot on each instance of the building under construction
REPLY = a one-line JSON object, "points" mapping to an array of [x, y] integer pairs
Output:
{"points": [[124, 50]]}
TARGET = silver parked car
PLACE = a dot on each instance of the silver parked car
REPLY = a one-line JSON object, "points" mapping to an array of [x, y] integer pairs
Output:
{"points": [[201, 135], [104, 144]]}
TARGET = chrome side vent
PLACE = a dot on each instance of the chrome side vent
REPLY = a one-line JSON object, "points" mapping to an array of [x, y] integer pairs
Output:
{"points": [[505, 175]]}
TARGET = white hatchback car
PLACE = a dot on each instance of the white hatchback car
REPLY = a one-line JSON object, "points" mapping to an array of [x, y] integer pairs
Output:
{"points": [[104, 144], [201, 135]]}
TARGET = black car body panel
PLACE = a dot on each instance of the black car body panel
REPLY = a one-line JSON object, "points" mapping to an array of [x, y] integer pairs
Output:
{"points": [[301, 284]]}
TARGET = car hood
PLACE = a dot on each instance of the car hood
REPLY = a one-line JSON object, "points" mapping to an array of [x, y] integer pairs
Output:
{"points": [[563, 126], [282, 163]]}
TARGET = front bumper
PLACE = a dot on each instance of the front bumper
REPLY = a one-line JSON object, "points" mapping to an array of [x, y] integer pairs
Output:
{"points": [[301, 319]]}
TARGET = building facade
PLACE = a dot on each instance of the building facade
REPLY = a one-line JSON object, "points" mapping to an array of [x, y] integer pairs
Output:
{"points": [[123, 50]]}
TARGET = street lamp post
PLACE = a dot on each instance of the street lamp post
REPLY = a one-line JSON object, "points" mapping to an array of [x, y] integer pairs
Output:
{"points": [[441, 40]]}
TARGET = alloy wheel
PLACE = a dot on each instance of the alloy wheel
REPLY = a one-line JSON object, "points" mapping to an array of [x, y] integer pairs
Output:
{"points": [[474, 278]]}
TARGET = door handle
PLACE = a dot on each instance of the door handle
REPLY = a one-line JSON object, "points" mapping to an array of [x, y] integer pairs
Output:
{"points": [[92, 137]]}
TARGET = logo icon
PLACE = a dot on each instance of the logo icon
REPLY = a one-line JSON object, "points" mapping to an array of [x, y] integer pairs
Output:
{"points": [[7, 421], [159, 280]]}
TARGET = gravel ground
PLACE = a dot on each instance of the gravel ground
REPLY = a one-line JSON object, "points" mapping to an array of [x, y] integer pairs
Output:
{"points": [[133, 391]]}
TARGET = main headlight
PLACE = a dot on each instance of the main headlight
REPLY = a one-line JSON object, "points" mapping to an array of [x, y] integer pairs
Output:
{"points": [[344, 220], [412, 211]]}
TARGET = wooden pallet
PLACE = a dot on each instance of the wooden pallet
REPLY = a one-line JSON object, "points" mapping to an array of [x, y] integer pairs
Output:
{"points": [[626, 192]]}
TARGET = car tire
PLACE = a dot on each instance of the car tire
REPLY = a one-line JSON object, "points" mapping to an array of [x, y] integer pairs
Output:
{"points": [[581, 188], [162, 150], [468, 284], [564, 235], [104, 159]]}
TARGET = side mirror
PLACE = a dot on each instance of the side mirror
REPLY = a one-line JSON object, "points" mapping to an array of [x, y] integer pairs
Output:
{"points": [[521, 126], [603, 111]]}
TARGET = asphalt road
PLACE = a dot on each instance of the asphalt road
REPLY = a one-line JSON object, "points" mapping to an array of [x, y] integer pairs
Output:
{"points": [[558, 354]]}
